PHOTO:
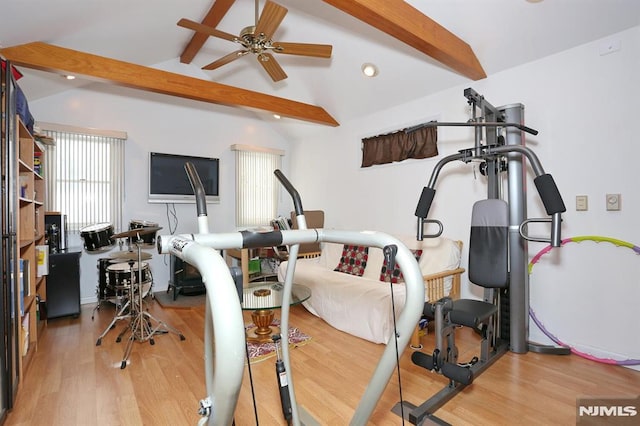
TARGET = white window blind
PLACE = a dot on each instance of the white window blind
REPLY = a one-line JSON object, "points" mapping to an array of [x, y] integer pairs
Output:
{"points": [[84, 171], [256, 185]]}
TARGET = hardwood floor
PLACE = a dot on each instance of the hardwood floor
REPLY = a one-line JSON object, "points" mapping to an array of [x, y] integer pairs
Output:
{"points": [[72, 382]]}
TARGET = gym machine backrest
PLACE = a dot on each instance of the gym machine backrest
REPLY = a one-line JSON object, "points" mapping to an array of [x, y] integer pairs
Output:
{"points": [[488, 244]]}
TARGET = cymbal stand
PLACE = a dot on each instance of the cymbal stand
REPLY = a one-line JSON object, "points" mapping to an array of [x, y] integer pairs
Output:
{"points": [[120, 315], [97, 307], [141, 320]]}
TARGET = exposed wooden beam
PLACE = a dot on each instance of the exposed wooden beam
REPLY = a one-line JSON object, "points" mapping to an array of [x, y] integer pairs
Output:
{"points": [[212, 19], [46, 57], [404, 22]]}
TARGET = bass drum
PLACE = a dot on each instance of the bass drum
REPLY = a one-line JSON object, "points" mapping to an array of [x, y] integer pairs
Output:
{"points": [[120, 276], [105, 291], [148, 239], [97, 237]]}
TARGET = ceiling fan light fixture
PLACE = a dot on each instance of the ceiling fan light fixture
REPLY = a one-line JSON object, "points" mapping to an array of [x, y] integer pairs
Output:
{"points": [[257, 39], [369, 70], [247, 32]]}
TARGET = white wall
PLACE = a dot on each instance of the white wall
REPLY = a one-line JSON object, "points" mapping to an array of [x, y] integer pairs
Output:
{"points": [[584, 106], [163, 124], [582, 103]]}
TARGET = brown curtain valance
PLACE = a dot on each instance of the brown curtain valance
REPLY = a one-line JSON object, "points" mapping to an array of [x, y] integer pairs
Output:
{"points": [[398, 146]]}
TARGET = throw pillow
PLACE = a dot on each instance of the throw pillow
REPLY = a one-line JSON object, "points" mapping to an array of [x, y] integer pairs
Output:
{"points": [[395, 276], [353, 260]]}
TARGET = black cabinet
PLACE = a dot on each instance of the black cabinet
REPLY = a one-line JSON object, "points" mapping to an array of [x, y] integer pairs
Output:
{"points": [[184, 278], [63, 285]]}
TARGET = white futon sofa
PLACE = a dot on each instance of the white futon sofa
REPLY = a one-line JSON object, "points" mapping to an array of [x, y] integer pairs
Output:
{"points": [[361, 305]]}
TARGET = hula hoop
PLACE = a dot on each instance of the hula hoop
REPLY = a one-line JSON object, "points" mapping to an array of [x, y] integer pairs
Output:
{"points": [[555, 339]]}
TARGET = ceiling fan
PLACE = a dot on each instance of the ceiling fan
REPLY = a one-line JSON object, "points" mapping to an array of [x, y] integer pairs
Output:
{"points": [[257, 39]]}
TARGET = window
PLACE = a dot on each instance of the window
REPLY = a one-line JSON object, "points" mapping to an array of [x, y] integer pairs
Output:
{"points": [[84, 171], [256, 185]]}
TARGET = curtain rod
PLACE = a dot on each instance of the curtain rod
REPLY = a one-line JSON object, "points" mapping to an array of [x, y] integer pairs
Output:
{"points": [[404, 130]]}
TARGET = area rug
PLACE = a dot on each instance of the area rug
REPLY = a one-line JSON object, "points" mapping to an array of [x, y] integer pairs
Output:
{"points": [[261, 351], [183, 301]]}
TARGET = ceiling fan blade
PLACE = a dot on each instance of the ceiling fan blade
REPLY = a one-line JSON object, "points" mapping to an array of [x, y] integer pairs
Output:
{"points": [[270, 19], [212, 19], [225, 59], [271, 66], [303, 49], [205, 29]]}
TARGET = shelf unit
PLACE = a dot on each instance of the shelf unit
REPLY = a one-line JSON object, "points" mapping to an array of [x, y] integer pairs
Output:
{"points": [[30, 236]]}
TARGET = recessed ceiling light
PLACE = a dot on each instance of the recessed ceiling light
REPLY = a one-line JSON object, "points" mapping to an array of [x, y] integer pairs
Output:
{"points": [[69, 77], [276, 116], [369, 70]]}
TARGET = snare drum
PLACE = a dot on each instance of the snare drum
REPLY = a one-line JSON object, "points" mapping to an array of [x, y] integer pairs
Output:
{"points": [[147, 239], [97, 237]]}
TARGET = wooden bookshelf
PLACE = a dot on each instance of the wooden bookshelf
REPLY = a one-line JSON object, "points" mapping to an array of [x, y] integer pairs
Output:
{"points": [[30, 234]]}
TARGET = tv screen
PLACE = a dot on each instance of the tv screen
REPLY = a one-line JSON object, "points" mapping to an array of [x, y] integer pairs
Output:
{"points": [[168, 181]]}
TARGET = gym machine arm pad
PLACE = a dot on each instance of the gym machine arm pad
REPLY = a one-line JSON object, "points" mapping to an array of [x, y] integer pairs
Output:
{"points": [[424, 204], [549, 194]]}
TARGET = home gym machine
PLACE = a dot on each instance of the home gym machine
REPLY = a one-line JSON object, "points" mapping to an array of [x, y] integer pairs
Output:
{"points": [[498, 254]]}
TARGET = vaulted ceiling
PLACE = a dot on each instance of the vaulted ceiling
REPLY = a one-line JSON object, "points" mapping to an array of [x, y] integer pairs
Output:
{"points": [[420, 47]]}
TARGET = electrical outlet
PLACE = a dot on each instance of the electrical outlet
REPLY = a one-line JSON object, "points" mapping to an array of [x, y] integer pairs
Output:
{"points": [[582, 203], [613, 202]]}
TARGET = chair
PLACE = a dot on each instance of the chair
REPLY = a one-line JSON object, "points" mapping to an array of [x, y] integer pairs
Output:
{"points": [[488, 268]]}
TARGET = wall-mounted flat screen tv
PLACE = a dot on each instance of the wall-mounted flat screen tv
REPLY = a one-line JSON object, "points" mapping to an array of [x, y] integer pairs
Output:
{"points": [[168, 181]]}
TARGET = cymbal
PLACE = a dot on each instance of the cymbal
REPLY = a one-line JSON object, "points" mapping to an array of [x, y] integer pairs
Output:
{"points": [[129, 255], [136, 232]]}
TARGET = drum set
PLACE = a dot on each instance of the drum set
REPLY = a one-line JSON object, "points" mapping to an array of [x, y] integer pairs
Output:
{"points": [[125, 280]]}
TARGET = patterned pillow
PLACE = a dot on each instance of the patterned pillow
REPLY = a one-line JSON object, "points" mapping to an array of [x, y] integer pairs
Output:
{"points": [[353, 260], [395, 276]]}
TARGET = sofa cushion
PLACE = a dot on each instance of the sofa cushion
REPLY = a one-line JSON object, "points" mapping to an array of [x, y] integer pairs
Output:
{"points": [[395, 275], [353, 260]]}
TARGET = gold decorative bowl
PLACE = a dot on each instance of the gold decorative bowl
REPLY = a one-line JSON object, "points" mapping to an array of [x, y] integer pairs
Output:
{"points": [[262, 292]]}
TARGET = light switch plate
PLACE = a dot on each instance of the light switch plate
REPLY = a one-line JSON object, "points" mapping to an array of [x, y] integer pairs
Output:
{"points": [[582, 203]]}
